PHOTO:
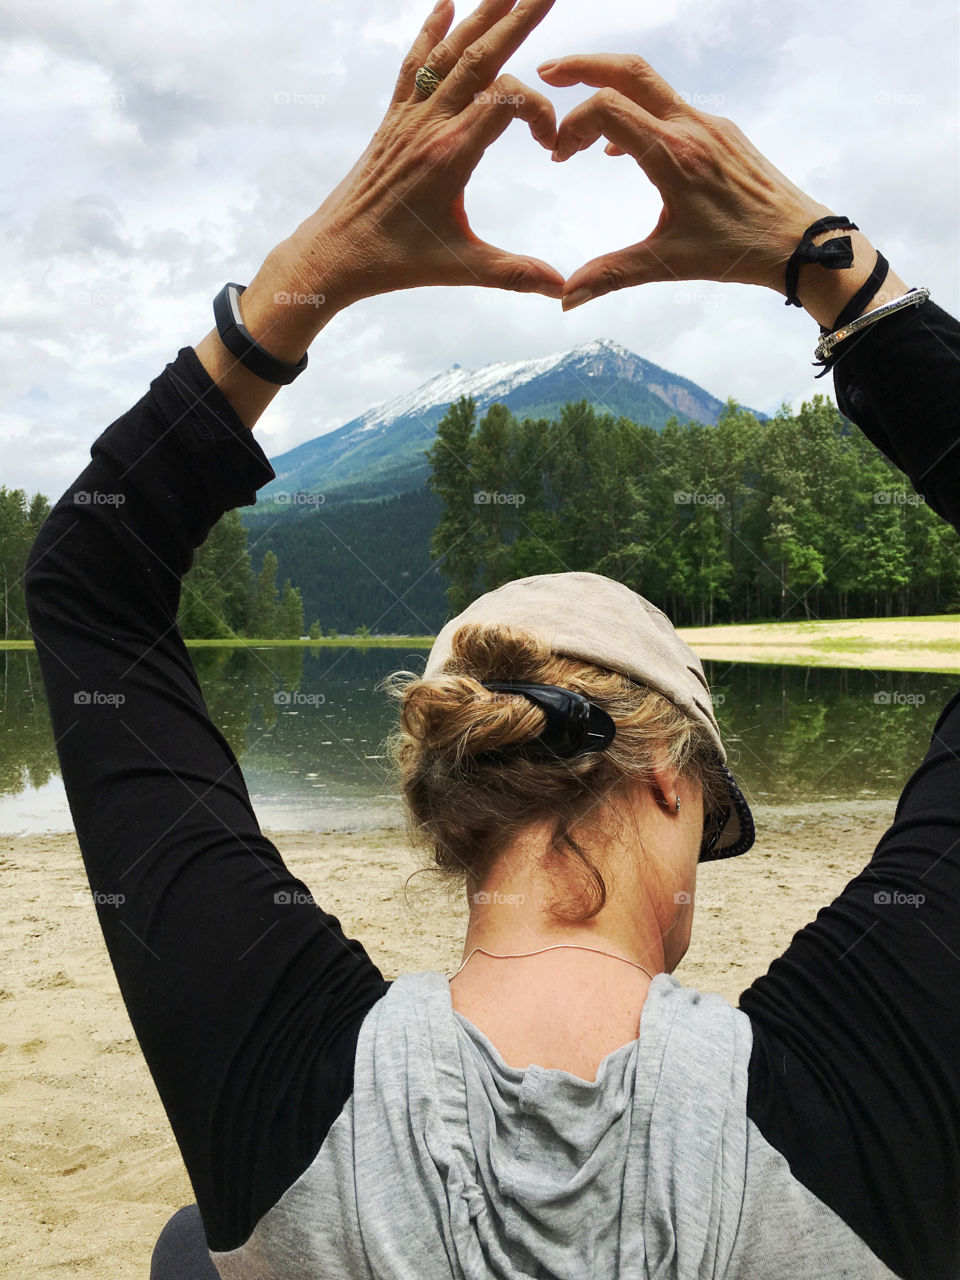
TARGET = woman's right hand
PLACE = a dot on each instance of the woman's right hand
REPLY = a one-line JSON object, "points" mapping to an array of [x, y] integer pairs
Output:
{"points": [[728, 213]]}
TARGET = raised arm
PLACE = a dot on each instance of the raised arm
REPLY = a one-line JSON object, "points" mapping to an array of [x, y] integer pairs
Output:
{"points": [[246, 997], [855, 1071]]}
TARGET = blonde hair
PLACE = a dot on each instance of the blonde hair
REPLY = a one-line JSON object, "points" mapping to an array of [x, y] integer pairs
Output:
{"points": [[466, 810]]}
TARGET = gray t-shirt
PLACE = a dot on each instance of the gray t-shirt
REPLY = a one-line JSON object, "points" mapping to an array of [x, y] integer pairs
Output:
{"points": [[446, 1162]]}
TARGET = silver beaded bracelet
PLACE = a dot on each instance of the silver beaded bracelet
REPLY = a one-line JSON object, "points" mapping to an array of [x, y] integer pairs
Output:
{"points": [[912, 299]]}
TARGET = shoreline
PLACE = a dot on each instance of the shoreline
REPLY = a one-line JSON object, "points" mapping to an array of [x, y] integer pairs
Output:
{"points": [[928, 644]]}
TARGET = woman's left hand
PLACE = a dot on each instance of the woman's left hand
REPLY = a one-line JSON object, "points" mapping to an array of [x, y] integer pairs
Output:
{"points": [[397, 221]]}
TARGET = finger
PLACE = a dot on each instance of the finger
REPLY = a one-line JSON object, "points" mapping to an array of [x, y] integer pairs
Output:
{"points": [[642, 263], [629, 74], [496, 269], [445, 55], [481, 62], [509, 99], [608, 114], [433, 30], [611, 149]]}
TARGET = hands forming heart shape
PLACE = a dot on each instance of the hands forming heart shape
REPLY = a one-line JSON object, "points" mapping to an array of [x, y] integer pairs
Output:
{"points": [[398, 221]]}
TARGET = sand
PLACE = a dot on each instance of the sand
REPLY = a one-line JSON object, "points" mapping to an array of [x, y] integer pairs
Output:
{"points": [[880, 644], [90, 1170]]}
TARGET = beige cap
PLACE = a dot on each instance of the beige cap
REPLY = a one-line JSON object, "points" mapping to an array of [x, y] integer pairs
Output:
{"points": [[588, 616]]}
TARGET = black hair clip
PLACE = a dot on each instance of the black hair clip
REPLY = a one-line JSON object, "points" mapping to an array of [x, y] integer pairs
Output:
{"points": [[574, 724]]}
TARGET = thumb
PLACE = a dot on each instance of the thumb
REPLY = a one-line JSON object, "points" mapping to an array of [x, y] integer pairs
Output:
{"points": [[642, 263], [496, 269]]}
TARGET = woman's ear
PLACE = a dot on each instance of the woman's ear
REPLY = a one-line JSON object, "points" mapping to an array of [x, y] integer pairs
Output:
{"points": [[667, 787]]}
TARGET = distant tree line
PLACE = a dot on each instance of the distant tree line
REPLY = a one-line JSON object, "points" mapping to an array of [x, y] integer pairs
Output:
{"points": [[221, 596], [795, 516]]}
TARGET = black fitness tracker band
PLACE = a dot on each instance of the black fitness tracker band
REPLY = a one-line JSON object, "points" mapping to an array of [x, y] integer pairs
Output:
{"points": [[241, 343]]}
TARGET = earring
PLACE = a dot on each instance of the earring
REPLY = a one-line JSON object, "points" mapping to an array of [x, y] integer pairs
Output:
{"points": [[678, 804]]}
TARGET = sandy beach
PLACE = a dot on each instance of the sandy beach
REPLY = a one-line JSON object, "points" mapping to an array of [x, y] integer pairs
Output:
{"points": [[90, 1168]]}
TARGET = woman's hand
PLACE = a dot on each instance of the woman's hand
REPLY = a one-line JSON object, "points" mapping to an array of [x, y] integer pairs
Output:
{"points": [[728, 213], [397, 221]]}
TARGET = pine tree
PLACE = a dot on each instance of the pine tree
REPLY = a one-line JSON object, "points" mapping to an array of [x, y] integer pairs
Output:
{"points": [[290, 626], [262, 619]]}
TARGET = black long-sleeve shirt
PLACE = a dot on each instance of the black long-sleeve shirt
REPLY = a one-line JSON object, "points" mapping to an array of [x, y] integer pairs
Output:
{"points": [[248, 1007]]}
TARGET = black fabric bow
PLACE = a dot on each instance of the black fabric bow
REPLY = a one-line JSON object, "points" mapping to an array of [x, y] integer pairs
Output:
{"points": [[835, 255]]}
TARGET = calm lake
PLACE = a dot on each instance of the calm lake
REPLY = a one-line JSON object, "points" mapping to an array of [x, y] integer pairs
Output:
{"points": [[308, 728]]}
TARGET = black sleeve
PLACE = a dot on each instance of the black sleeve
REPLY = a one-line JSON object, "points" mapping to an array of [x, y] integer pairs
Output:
{"points": [[855, 1071], [245, 996]]}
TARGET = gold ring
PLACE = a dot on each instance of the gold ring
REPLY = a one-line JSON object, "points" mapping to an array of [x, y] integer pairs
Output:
{"points": [[427, 81]]}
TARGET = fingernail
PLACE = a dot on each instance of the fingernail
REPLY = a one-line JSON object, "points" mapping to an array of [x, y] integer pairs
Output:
{"points": [[547, 66], [577, 298]]}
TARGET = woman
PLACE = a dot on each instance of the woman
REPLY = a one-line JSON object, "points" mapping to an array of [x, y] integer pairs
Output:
{"points": [[563, 1106]]}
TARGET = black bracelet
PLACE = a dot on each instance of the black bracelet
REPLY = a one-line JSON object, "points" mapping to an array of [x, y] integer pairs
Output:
{"points": [[857, 304], [836, 254], [864, 296], [241, 343]]}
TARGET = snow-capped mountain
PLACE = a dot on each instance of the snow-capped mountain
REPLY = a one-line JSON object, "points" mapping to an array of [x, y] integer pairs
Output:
{"points": [[382, 450]]}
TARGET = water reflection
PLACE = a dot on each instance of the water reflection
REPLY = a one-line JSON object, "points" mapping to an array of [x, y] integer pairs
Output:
{"points": [[308, 728]]}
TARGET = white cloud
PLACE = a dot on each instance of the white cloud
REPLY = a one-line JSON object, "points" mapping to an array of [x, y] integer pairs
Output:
{"points": [[154, 151]]}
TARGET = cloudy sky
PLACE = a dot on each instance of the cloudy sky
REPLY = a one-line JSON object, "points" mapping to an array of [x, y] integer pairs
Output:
{"points": [[154, 151]]}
